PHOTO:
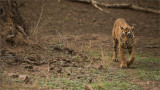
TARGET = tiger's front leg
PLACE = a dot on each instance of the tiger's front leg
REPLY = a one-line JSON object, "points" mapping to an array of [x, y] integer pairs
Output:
{"points": [[123, 58], [132, 57], [115, 47]]}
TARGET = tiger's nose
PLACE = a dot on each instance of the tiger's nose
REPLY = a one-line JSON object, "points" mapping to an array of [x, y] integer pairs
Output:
{"points": [[126, 42]]}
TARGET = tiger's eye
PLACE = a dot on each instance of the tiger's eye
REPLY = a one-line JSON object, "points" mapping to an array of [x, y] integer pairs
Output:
{"points": [[129, 34], [123, 33]]}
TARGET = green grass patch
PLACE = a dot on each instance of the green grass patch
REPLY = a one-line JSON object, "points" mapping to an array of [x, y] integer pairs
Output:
{"points": [[94, 53], [148, 59], [62, 83], [116, 76], [77, 57], [67, 84], [66, 19], [148, 75], [148, 63], [106, 81], [114, 81], [118, 85], [148, 68]]}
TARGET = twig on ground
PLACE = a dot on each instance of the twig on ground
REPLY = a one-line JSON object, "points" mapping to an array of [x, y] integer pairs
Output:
{"points": [[152, 47], [62, 38], [21, 30], [94, 3]]}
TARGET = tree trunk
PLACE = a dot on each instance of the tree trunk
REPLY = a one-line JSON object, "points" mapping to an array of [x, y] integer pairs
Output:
{"points": [[12, 27]]}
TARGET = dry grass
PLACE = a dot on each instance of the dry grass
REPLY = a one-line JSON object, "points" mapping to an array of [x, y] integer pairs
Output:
{"points": [[106, 59], [36, 30]]}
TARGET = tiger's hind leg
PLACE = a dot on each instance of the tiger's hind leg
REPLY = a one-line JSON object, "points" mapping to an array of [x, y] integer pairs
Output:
{"points": [[132, 57], [115, 47]]}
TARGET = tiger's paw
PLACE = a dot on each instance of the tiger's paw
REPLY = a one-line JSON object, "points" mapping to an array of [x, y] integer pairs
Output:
{"points": [[115, 60], [123, 66]]}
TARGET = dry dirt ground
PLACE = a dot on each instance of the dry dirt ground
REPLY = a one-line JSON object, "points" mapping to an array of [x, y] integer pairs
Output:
{"points": [[76, 49]]}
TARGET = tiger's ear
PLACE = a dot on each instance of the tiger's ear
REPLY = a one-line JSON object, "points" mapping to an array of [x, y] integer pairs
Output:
{"points": [[121, 27], [132, 28]]}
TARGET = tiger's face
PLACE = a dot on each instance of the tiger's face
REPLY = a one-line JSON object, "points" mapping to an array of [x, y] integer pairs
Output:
{"points": [[126, 37]]}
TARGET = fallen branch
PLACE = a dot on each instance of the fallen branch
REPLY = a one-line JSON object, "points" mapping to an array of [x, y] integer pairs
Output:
{"points": [[92, 2], [123, 6], [152, 47], [130, 6], [145, 9]]}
